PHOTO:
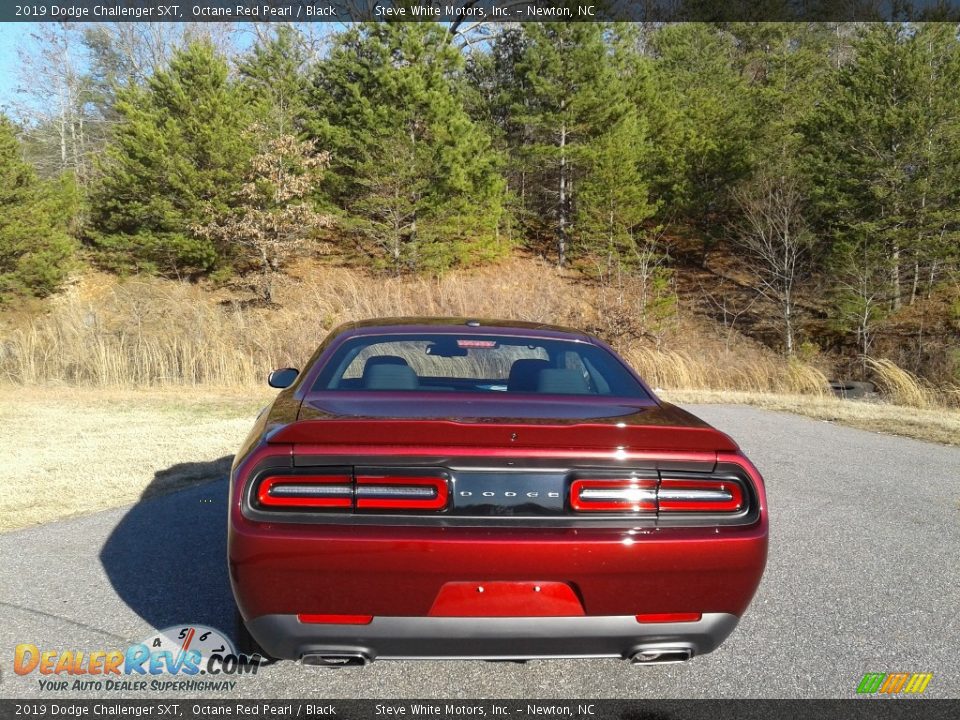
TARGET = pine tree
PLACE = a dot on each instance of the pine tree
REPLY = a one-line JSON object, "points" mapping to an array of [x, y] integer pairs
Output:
{"points": [[571, 96], [701, 121], [387, 105], [177, 151], [613, 198], [35, 249], [273, 73], [882, 151]]}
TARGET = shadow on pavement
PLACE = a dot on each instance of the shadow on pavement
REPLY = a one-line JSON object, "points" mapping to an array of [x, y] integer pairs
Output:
{"points": [[166, 558]]}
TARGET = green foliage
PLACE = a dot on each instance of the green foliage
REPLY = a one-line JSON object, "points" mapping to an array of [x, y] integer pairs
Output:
{"points": [[177, 152], [562, 106], [35, 248], [858, 296], [883, 149], [273, 75], [613, 198], [703, 122], [417, 177]]}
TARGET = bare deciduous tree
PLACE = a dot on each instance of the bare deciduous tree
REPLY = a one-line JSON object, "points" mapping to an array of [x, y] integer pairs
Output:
{"points": [[55, 93], [728, 306], [774, 234], [273, 215]]}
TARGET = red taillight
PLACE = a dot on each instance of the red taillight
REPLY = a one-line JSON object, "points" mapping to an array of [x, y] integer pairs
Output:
{"points": [[651, 496], [336, 619], [341, 491], [383, 492], [613, 495], [308, 491], [715, 496], [668, 617]]}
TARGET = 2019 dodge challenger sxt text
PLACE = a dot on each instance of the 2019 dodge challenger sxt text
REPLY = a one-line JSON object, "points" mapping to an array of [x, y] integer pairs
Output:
{"points": [[471, 489]]}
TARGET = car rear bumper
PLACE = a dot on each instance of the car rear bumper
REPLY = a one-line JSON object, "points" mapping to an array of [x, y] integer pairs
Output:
{"points": [[490, 638]]}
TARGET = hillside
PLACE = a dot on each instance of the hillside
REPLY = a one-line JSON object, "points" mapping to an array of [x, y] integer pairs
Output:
{"points": [[103, 330]]}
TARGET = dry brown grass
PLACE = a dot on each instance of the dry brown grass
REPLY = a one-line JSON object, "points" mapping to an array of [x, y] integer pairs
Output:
{"points": [[940, 425], [156, 333], [900, 386], [147, 333], [65, 452], [717, 370]]}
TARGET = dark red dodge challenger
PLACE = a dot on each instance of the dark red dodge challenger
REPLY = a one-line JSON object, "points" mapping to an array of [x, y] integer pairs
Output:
{"points": [[452, 488]]}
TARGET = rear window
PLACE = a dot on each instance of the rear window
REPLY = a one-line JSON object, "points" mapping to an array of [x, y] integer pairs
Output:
{"points": [[476, 364]]}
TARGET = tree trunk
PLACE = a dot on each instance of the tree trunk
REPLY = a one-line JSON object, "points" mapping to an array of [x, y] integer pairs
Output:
{"points": [[895, 277], [788, 324], [266, 281], [916, 281], [562, 236]]}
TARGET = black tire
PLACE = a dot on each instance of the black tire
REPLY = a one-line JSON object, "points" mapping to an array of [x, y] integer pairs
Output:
{"points": [[847, 389]]}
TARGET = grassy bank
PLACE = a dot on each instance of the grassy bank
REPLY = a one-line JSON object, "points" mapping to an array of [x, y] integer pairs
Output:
{"points": [[937, 425], [65, 452], [156, 333]]}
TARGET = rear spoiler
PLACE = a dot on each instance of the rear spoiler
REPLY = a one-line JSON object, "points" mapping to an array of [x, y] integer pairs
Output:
{"points": [[447, 433]]}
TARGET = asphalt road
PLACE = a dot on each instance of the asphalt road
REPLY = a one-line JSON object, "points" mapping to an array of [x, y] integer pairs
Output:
{"points": [[863, 576]]}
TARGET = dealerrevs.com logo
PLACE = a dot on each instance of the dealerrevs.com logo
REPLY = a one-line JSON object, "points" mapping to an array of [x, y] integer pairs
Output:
{"points": [[894, 683], [185, 658]]}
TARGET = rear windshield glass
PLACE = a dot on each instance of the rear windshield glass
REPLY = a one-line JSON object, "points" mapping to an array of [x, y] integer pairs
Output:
{"points": [[476, 364]]}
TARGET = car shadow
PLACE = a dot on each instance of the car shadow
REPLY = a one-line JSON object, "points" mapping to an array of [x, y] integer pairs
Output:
{"points": [[166, 558]]}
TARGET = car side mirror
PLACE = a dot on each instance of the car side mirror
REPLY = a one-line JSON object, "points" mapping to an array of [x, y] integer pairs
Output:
{"points": [[282, 378]]}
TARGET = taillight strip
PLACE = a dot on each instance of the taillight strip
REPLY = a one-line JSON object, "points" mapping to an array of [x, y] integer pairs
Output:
{"points": [[381, 492], [613, 495], [648, 496], [313, 491], [720, 495], [717, 496]]}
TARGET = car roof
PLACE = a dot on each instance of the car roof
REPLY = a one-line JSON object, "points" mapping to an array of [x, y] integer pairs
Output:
{"points": [[460, 326]]}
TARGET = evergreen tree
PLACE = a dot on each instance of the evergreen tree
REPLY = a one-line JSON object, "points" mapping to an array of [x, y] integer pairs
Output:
{"points": [[35, 249], [274, 75], [613, 198], [177, 151], [387, 105], [883, 151], [701, 119], [561, 93]]}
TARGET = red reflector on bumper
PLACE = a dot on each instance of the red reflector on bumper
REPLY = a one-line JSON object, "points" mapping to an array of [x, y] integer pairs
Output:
{"points": [[336, 619], [669, 617]]}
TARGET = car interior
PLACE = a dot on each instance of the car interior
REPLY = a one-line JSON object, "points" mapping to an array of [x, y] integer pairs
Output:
{"points": [[391, 372], [477, 365]]}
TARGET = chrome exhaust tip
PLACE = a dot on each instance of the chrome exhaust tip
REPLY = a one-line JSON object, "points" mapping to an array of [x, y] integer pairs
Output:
{"points": [[335, 660], [661, 655]]}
